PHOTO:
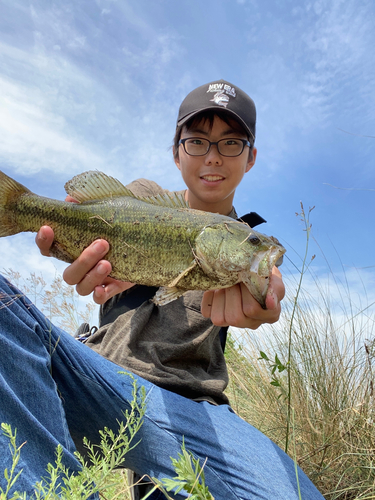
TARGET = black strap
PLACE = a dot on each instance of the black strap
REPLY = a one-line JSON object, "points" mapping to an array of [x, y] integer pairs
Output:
{"points": [[252, 218]]}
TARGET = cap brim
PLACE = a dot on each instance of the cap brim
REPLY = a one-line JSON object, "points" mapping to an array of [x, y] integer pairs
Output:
{"points": [[183, 120]]}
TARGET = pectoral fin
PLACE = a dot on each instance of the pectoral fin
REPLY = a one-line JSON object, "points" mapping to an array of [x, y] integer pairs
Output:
{"points": [[167, 294], [182, 275], [171, 292]]}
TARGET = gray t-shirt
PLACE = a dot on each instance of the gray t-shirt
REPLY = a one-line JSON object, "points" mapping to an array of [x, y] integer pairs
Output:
{"points": [[172, 346]]}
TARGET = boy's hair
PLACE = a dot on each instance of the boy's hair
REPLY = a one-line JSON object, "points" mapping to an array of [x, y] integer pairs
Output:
{"points": [[208, 116]]}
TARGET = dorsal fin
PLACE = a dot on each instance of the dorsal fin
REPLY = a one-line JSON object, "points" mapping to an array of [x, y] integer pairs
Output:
{"points": [[95, 185], [172, 200]]}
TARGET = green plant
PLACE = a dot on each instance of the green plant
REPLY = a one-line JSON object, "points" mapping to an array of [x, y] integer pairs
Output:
{"points": [[273, 366], [10, 475], [190, 477], [96, 470]]}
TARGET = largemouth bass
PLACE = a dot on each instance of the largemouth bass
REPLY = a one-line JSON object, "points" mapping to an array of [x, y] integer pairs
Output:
{"points": [[157, 241]]}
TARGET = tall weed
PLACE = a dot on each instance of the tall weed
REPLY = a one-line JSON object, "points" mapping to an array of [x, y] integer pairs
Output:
{"points": [[314, 370]]}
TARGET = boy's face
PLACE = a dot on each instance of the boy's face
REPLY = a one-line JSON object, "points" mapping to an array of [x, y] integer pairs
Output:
{"points": [[212, 179]]}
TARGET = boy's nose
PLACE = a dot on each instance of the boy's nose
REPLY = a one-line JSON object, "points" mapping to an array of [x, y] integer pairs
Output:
{"points": [[213, 156]]}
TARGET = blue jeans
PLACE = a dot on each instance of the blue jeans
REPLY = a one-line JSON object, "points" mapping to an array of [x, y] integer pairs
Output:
{"points": [[54, 389]]}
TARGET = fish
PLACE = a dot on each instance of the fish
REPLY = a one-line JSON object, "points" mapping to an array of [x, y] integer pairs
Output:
{"points": [[157, 241]]}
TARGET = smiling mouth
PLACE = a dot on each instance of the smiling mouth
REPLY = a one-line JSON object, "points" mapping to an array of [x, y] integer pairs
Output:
{"points": [[212, 178]]}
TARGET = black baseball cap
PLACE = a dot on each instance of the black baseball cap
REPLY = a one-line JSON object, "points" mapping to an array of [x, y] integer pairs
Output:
{"points": [[222, 95]]}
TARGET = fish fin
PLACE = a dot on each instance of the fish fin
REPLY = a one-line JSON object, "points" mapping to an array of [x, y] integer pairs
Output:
{"points": [[166, 294], [184, 273], [10, 190], [171, 200], [95, 185]]}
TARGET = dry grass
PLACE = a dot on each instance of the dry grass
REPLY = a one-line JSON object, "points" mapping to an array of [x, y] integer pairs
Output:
{"points": [[331, 357], [57, 300]]}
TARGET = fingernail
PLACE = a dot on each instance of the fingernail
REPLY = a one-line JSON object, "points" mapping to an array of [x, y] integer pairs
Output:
{"points": [[99, 246], [101, 269], [272, 294]]}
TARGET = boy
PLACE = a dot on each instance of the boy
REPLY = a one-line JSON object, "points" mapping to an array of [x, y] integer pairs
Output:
{"points": [[174, 350]]}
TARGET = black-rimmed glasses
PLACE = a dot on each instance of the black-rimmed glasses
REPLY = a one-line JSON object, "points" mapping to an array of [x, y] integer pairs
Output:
{"points": [[196, 146]]}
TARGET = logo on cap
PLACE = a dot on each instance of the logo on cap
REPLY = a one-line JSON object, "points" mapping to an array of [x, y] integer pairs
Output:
{"points": [[221, 99], [222, 93]]}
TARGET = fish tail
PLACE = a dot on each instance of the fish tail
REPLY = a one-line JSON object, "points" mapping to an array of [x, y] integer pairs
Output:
{"points": [[10, 192]]}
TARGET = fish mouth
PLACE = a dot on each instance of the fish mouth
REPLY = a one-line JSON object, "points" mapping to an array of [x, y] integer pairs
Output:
{"points": [[257, 279], [263, 262]]}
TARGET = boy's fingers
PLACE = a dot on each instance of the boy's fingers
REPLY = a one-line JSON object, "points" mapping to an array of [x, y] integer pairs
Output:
{"points": [[88, 265], [94, 278], [206, 305], [109, 288], [44, 240]]}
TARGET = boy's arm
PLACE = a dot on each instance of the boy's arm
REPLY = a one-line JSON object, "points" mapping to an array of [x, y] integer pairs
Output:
{"points": [[235, 306]]}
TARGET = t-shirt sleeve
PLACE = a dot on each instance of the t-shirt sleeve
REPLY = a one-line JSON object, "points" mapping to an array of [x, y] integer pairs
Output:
{"points": [[145, 187]]}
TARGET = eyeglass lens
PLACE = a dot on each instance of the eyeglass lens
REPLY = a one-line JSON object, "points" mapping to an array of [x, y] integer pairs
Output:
{"points": [[227, 147]]}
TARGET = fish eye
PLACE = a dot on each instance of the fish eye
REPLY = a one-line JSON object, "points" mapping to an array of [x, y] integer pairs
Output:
{"points": [[254, 240]]}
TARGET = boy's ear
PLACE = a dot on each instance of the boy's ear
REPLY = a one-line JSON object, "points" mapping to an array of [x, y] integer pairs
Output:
{"points": [[176, 158], [251, 161]]}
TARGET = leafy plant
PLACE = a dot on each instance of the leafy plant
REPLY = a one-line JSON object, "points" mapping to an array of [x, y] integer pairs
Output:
{"points": [[95, 472], [10, 475], [98, 472], [273, 366], [190, 477]]}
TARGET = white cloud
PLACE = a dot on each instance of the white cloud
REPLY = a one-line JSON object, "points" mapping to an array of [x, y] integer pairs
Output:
{"points": [[338, 45], [20, 253], [59, 115], [314, 72], [34, 117]]}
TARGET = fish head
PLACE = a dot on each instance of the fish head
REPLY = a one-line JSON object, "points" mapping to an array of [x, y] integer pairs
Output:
{"points": [[234, 252]]}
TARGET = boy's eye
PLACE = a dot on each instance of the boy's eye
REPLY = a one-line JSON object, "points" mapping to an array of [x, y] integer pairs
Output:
{"points": [[232, 142], [196, 142]]}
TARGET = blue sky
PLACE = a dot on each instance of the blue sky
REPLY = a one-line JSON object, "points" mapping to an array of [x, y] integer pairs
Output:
{"points": [[97, 85]]}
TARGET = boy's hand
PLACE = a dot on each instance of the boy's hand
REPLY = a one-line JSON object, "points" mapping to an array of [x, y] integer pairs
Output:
{"points": [[235, 306], [89, 272]]}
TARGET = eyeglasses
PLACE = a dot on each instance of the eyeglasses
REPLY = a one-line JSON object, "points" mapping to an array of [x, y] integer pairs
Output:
{"points": [[195, 146]]}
